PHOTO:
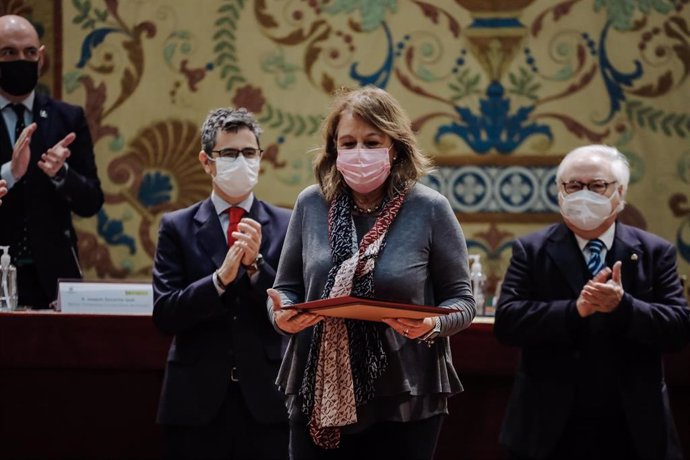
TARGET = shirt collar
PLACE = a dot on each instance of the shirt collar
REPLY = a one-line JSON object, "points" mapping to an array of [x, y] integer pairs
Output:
{"points": [[222, 206], [606, 238], [28, 101]]}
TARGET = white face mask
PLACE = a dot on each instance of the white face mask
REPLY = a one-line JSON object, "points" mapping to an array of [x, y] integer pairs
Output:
{"points": [[587, 210], [236, 177]]}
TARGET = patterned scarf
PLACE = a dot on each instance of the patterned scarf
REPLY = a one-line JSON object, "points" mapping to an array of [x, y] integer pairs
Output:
{"points": [[346, 357]]}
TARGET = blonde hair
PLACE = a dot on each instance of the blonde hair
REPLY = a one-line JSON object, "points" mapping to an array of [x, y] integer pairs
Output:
{"points": [[383, 112]]}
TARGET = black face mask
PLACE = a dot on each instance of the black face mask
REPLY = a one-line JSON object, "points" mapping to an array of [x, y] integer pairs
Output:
{"points": [[18, 78]]}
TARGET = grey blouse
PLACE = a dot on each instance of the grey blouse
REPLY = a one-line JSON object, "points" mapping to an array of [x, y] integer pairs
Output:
{"points": [[424, 262]]}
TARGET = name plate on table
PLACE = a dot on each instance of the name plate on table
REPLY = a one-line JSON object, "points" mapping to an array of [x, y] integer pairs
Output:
{"points": [[105, 298]]}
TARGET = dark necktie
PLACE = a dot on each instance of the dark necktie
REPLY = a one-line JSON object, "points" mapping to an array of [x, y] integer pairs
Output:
{"points": [[19, 126], [595, 263], [23, 253], [235, 214]]}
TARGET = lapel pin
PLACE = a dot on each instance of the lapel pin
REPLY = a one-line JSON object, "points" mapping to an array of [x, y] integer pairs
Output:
{"points": [[633, 257], [43, 114]]}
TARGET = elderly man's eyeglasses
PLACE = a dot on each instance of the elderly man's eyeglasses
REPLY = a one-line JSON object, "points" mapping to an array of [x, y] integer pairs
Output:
{"points": [[599, 186], [248, 152]]}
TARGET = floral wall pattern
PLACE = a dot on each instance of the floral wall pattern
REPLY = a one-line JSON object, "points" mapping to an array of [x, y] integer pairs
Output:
{"points": [[498, 92]]}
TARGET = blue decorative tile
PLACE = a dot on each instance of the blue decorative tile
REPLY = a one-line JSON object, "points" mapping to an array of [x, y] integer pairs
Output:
{"points": [[495, 189]]}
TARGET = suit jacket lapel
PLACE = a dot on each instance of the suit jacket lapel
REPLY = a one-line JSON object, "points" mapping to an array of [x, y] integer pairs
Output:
{"points": [[563, 249], [209, 233], [628, 249], [259, 214], [41, 112], [6, 146]]}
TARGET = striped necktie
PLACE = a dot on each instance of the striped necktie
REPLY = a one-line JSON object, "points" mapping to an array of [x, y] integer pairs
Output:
{"points": [[595, 263]]}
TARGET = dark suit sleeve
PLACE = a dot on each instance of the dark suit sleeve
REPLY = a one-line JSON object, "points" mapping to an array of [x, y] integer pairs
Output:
{"points": [[289, 281], [264, 280], [522, 318], [661, 320], [178, 303], [82, 188]]}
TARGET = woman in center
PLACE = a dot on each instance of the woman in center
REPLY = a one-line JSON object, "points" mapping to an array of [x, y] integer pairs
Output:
{"points": [[362, 389]]}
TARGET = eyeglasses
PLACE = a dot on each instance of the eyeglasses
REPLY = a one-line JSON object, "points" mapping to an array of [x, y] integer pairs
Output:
{"points": [[597, 186], [248, 152]]}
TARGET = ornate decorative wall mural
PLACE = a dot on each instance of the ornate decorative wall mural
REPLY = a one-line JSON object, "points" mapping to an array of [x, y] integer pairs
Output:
{"points": [[498, 91]]}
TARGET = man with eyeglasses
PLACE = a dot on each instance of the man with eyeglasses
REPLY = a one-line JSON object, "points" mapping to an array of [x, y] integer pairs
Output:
{"points": [[593, 304], [213, 264]]}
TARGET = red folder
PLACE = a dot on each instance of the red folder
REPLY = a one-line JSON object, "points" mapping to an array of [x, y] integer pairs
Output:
{"points": [[367, 309]]}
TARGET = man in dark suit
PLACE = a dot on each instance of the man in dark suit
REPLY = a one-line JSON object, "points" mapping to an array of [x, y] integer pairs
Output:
{"points": [[213, 264], [47, 162], [593, 304]]}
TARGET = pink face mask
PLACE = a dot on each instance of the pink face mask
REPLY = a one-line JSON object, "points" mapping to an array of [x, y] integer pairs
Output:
{"points": [[364, 170]]}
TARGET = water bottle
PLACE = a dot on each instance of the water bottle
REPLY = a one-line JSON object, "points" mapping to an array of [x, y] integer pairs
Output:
{"points": [[478, 282], [8, 281]]}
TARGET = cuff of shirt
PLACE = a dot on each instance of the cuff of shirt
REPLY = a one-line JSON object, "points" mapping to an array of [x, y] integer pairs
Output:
{"points": [[216, 283], [60, 176], [253, 276], [6, 173]]}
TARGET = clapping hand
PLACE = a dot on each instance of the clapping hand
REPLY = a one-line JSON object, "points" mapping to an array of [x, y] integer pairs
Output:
{"points": [[53, 160], [3, 189], [21, 154], [227, 272], [603, 293], [248, 237]]}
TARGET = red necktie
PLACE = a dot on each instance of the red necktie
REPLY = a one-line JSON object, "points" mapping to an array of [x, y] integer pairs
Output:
{"points": [[235, 214]]}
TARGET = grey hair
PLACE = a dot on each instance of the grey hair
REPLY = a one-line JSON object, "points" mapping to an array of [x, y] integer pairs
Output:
{"points": [[620, 167], [228, 120]]}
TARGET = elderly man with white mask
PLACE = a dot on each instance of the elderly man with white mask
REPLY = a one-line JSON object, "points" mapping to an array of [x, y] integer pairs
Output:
{"points": [[593, 304]]}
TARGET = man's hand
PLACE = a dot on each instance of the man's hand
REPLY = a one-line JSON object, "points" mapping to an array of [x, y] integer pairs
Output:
{"points": [[603, 293], [248, 237], [55, 157], [227, 272], [290, 321], [21, 154], [3, 189]]}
